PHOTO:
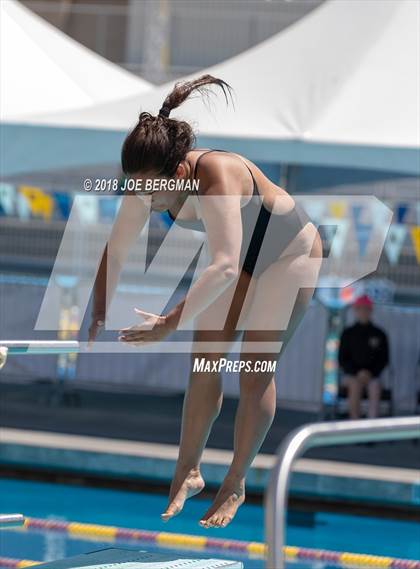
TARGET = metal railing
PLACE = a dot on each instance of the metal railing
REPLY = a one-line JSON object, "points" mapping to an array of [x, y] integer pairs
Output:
{"points": [[316, 435]]}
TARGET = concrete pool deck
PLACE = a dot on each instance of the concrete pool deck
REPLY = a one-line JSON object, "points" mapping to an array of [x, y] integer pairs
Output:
{"points": [[111, 457], [156, 418]]}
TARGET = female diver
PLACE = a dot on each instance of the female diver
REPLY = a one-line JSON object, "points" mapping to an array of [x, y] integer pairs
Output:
{"points": [[251, 287]]}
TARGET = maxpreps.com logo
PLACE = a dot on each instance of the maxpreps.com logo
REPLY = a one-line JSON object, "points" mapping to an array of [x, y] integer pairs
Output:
{"points": [[219, 365]]}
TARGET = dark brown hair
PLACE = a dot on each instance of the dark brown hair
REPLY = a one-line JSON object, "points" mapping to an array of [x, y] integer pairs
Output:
{"points": [[158, 143]]}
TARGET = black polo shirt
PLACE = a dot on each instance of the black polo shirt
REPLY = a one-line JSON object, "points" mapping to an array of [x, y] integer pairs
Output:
{"points": [[363, 346]]}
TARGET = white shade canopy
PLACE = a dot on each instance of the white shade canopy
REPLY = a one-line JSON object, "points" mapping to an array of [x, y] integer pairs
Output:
{"points": [[338, 88], [45, 71]]}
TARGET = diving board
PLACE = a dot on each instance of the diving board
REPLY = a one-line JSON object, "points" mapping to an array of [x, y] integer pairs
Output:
{"points": [[39, 346], [11, 520], [131, 559], [35, 347]]}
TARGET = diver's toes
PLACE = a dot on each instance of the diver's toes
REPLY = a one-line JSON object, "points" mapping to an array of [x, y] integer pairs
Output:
{"points": [[215, 521], [227, 520], [172, 510]]}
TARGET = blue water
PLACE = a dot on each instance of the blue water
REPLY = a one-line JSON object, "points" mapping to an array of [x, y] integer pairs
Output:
{"points": [[139, 510]]}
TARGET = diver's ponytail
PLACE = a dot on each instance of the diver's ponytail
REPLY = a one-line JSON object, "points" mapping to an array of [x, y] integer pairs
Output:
{"points": [[183, 90], [159, 143]]}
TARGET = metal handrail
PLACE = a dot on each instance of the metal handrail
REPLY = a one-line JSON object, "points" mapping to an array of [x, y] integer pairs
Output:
{"points": [[315, 435], [7, 520]]}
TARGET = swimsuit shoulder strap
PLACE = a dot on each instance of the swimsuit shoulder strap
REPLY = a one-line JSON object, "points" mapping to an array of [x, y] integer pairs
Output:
{"points": [[198, 161], [255, 188]]}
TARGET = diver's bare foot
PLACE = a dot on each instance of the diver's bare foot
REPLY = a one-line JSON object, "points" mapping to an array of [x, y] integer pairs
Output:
{"points": [[230, 496], [186, 483]]}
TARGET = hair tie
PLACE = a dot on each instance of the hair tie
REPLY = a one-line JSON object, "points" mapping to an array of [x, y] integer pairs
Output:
{"points": [[164, 111]]}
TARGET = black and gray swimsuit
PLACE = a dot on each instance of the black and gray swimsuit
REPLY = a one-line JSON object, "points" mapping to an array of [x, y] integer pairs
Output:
{"points": [[262, 242]]}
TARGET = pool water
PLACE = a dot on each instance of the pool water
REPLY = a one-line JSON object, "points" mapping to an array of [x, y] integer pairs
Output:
{"points": [[137, 510]]}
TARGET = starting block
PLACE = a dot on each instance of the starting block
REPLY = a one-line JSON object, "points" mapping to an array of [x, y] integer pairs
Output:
{"points": [[129, 559]]}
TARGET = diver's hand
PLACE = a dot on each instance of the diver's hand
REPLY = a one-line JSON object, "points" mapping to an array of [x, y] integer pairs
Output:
{"points": [[153, 329]]}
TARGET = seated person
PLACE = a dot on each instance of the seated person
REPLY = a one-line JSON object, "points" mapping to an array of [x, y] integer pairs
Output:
{"points": [[363, 355]]}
